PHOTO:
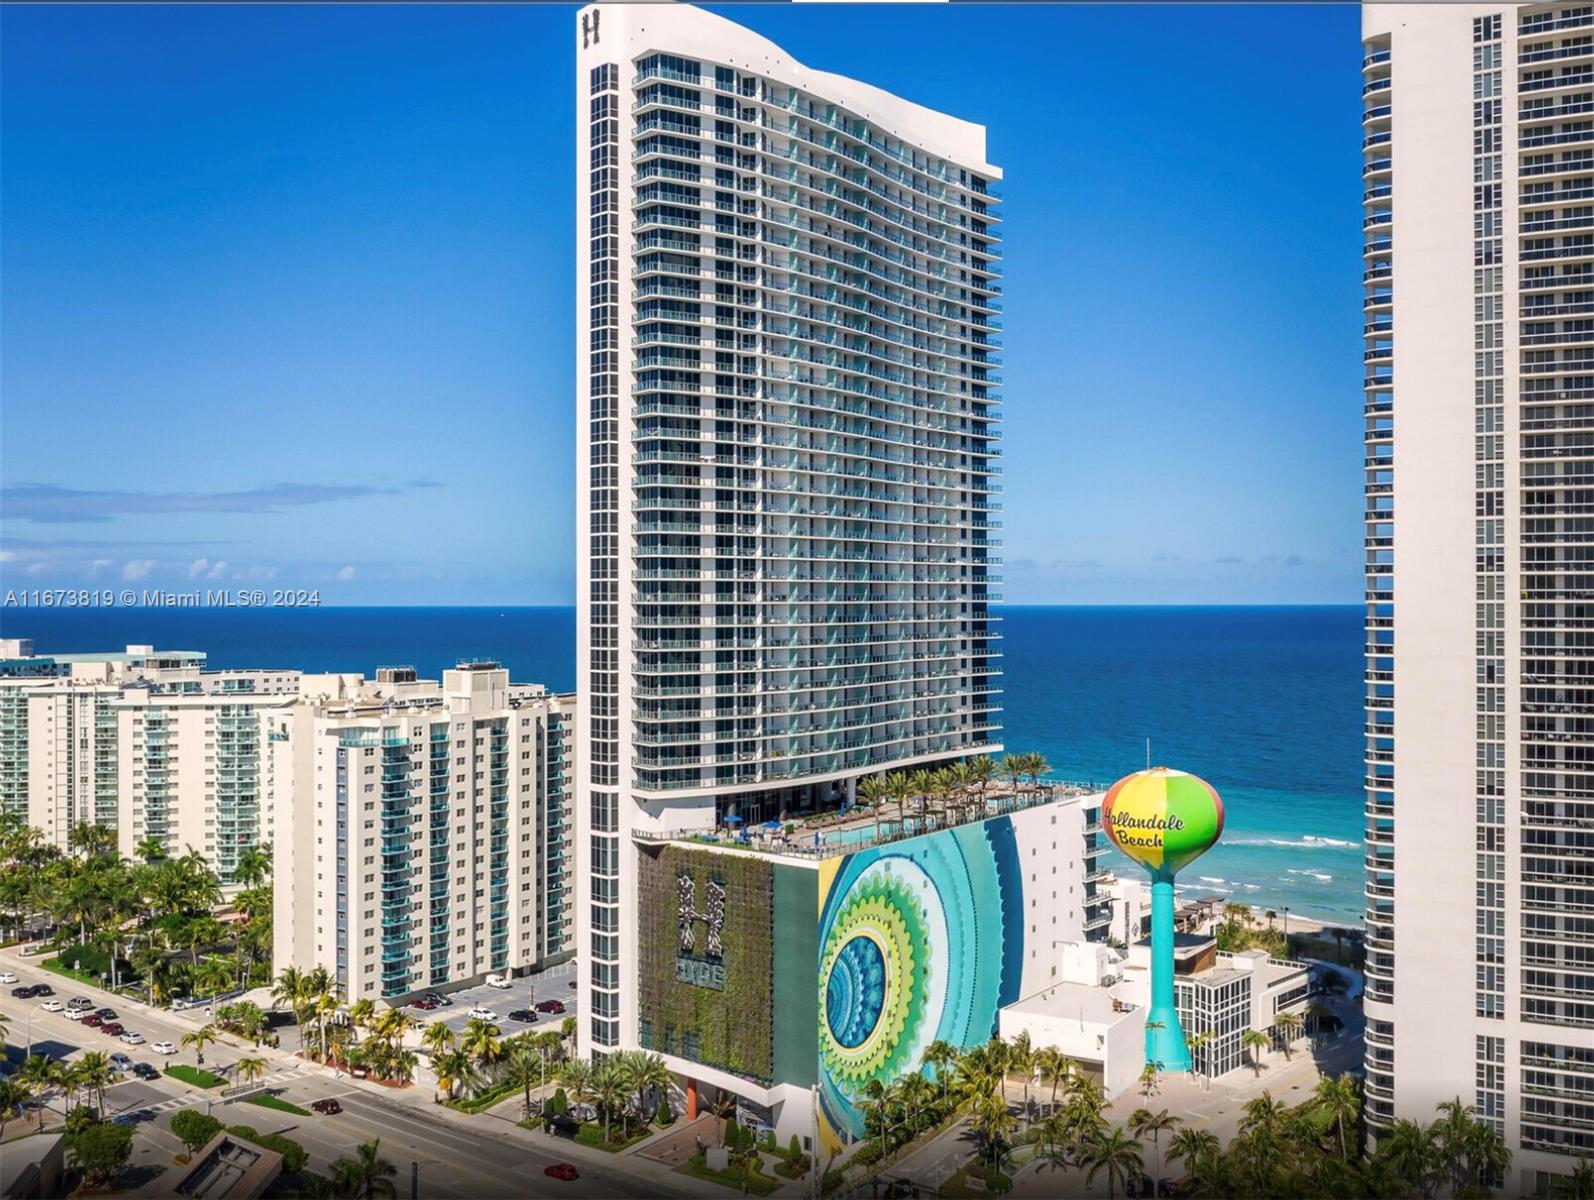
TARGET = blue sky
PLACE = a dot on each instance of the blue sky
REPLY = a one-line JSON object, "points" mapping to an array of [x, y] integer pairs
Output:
{"points": [[287, 293]]}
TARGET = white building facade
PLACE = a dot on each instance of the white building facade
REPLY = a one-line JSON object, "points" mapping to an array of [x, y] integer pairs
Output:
{"points": [[787, 329], [1479, 277], [422, 831]]}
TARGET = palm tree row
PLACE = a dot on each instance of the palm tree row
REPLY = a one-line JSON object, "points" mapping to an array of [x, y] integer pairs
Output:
{"points": [[946, 795], [39, 1075], [628, 1085], [148, 910]]}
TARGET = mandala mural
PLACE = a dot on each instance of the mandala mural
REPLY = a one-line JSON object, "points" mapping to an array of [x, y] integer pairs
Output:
{"points": [[891, 920]]}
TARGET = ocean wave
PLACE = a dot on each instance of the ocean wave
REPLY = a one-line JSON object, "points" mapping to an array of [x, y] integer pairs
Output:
{"points": [[1308, 842], [1321, 876], [1211, 879]]}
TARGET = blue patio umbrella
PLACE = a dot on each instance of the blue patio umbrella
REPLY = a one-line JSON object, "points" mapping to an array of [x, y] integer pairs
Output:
{"points": [[773, 825], [733, 819]]}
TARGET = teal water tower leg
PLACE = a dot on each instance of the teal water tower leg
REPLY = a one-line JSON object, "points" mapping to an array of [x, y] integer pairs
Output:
{"points": [[1165, 1044]]}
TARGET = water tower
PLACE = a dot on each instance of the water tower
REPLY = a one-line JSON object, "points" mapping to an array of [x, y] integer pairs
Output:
{"points": [[1164, 820]]}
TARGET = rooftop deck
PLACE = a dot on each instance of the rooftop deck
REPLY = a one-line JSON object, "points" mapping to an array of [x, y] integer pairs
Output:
{"points": [[828, 834]]}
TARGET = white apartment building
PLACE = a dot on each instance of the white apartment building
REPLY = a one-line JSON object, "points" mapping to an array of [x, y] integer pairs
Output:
{"points": [[143, 741], [788, 327], [1479, 273], [421, 831]]}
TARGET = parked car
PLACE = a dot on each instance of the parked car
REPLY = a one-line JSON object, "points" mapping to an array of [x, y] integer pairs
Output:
{"points": [[133, 1039], [8, 976], [145, 1071], [93, 1020], [163, 1048], [562, 1171], [327, 1107], [550, 1006], [105, 1014], [524, 1015], [82, 1002], [423, 1004], [114, 1028], [43, 989], [439, 999], [497, 981], [483, 1014], [74, 1014], [121, 1062], [22, 993], [31, 949], [53, 1006]]}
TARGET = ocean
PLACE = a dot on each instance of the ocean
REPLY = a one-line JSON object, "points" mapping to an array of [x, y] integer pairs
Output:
{"points": [[1264, 703]]}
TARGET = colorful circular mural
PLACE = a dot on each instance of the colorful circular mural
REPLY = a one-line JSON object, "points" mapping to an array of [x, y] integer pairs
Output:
{"points": [[891, 920]]}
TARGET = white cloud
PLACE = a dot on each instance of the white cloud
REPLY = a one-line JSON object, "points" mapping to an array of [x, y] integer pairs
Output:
{"points": [[215, 572], [198, 567], [98, 565], [138, 568], [7, 556], [346, 574]]}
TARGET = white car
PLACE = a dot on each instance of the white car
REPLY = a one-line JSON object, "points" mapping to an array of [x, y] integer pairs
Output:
{"points": [[76, 1014], [31, 948], [163, 1048], [53, 1006], [8, 976], [132, 1039], [497, 981], [483, 1014]]}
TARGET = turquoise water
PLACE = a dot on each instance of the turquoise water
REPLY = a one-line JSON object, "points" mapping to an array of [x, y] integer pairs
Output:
{"points": [[1265, 703]]}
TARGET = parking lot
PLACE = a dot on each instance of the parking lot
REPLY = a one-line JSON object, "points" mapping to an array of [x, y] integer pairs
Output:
{"points": [[524, 992]]}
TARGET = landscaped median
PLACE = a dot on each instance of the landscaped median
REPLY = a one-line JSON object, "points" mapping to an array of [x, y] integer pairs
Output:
{"points": [[194, 1076], [754, 1180]]}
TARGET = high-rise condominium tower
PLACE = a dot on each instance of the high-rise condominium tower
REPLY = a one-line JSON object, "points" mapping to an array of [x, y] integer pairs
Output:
{"points": [[787, 329], [1479, 273]]}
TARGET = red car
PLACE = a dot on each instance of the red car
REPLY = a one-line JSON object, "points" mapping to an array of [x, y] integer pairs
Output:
{"points": [[327, 1107], [423, 1005], [550, 1006], [114, 1028], [562, 1171], [93, 1020]]}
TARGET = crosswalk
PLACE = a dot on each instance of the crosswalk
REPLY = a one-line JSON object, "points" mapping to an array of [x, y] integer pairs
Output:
{"points": [[276, 1078]]}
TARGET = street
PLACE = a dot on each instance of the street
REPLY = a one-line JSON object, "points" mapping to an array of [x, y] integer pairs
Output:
{"points": [[451, 1155]]}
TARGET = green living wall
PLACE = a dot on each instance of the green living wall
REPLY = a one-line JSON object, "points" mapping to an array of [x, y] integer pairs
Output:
{"points": [[731, 1028]]}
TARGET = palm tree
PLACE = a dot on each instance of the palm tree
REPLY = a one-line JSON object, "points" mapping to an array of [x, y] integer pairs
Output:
{"points": [[1579, 1185], [1142, 1122], [1288, 1026], [94, 1074], [1264, 1112], [993, 1123], [13, 1094], [1195, 1043], [874, 791], [919, 784], [1409, 1149], [253, 866], [362, 1013], [577, 1080], [523, 1068], [1053, 1066], [480, 1041], [915, 1094], [1191, 1146], [1115, 1154], [437, 1038], [1255, 1041], [1021, 1058], [1338, 1096], [983, 769], [38, 1075], [1148, 1080], [150, 848], [456, 1071], [289, 990], [940, 1056], [367, 1175], [250, 1069], [648, 1073], [901, 790], [610, 1091], [199, 1039]]}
